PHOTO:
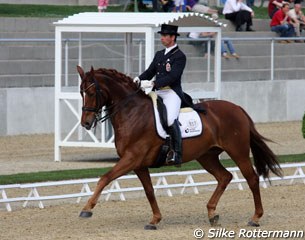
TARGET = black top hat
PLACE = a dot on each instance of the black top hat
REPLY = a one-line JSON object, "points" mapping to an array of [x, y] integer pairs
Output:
{"points": [[169, 29]]}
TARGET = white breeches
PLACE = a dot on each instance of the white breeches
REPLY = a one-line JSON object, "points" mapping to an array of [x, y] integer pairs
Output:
{"points": [[172, 102]]}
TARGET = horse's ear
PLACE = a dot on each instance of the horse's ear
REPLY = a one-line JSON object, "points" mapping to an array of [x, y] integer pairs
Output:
{"points": [[92, 70], [81, 72]]}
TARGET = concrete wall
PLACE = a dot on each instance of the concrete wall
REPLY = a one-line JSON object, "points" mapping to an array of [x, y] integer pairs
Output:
{"points": [[31, 110], [26, 111], [268, 101]]}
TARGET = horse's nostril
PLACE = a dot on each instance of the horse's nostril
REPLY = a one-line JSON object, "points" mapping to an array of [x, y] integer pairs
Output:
{"points": [[87, 125]]}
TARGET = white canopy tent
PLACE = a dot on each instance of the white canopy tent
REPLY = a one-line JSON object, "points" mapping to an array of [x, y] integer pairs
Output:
{"points": [[128, 23]]}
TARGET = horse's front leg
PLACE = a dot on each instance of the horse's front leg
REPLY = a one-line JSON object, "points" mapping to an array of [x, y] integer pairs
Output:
{"points": [[121, 168], [143, 175]]}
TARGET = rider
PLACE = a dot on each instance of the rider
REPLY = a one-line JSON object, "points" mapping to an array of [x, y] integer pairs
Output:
{"points": [[168, 65]]}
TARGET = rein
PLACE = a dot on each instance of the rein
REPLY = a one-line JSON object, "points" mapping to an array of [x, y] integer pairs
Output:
{"points": [[98, 110]]}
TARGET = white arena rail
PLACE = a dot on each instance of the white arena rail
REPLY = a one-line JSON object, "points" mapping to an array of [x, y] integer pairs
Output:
{"points": [[115, 187]]}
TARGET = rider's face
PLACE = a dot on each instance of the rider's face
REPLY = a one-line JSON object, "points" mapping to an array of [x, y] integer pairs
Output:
{"points": [[168, 40]]}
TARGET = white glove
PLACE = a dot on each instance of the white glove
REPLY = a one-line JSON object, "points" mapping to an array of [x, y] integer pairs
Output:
{"points": [[137, 80], [147, 83]]}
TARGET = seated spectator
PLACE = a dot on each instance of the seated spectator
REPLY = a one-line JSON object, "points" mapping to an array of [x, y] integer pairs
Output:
{"points": [[224, 53], [179, 6], [102, 5], [155, 5], [273, 6], [281, 23], [298, 19], [194, 6], [239, 13], [250, 3], [167, 5], [231, 49]]}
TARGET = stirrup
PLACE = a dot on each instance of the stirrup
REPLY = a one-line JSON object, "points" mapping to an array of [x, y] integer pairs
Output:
{"points": [[170, 158]]}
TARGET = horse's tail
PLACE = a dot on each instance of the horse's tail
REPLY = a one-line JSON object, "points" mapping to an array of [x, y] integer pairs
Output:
{"points": [[264, 159]]}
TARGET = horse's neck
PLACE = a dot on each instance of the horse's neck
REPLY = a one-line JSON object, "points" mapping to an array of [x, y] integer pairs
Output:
{"points": [[135, 111], [125, 101]]}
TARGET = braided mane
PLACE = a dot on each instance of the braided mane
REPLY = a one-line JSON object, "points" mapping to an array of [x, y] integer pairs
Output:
{"points": [[112, 73], [120, 77]]}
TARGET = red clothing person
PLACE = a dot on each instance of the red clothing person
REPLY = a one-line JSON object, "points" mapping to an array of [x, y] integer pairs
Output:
{"points": [[102, 5], [278, 18], [280, 23], [273, 6]]}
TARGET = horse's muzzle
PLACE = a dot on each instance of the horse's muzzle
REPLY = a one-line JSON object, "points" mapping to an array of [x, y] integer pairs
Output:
{"points": [[87, 125]]}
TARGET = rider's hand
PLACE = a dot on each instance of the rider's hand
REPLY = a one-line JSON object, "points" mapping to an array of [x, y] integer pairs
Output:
{"points": [[147, 83], [137, 80]]}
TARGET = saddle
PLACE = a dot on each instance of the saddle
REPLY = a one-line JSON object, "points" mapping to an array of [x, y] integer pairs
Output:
{"points": [[189, 121]]}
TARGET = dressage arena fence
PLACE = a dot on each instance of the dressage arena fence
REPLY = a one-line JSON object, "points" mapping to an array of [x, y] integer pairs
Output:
{"points": [[291, 171]]}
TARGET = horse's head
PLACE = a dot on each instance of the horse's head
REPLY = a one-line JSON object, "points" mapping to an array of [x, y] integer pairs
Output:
{"points": [[93, 98]]}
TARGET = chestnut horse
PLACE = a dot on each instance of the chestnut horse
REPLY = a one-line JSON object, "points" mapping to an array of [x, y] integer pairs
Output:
{"points": [[227, 127]]}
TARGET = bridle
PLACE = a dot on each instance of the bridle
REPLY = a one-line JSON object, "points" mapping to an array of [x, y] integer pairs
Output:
{"points": [[98, 97], [98, 110]]}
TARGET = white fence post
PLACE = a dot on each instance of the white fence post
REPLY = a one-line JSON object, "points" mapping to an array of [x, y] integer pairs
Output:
{"points": [[4, 197]]}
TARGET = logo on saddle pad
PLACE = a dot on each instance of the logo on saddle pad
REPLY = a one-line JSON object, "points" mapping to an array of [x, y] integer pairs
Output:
{"points": [[190, 122], [191, 126]]}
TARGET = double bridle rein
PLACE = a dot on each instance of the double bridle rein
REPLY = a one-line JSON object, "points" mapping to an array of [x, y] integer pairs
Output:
{"points": [[98, 110]]}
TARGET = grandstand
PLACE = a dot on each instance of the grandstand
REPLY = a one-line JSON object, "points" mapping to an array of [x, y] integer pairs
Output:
{"points": [[27, 54], [27, 63]]}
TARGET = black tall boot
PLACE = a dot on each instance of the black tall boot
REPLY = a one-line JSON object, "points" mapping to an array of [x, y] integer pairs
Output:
{"points": [[175, 156]]}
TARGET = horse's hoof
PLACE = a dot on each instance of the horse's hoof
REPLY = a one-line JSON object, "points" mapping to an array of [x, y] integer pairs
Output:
{"points": [[85, 214], [253, 224], [150, 227], [214, 221]]}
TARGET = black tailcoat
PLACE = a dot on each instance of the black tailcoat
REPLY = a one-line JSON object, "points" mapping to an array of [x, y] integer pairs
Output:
{"points": [[168, 70]]}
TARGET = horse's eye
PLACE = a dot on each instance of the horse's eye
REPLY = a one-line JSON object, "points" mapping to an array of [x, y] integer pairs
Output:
{"points": [[90, 94]]}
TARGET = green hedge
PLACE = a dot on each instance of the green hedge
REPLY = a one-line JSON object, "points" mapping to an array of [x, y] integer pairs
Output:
{"points": [[303, 126]]}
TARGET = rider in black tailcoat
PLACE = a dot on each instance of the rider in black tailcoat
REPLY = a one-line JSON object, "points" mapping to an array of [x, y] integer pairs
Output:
{"points": [[167, 67]]}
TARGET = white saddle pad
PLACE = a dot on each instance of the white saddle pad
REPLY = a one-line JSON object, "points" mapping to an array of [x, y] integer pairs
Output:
{"points": [[190, 122]]}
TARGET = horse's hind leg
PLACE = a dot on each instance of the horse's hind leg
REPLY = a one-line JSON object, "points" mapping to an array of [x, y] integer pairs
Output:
{"points": [[244, 163], [211, 163], [143, 175]]}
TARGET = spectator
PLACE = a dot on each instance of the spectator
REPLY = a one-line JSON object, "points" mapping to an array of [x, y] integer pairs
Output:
{"points": [[102, 5], [239, 13], [155, 5], [167, 5], [275, 5], [281, 23], [250, 3], [231, 49], [298, 19], [179, 6], [224, 52], [194, 6]]}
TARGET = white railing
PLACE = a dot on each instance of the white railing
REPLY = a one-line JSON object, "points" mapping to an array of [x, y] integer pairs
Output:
{"points": [[186, 179], [272, 41], [140, 42]]}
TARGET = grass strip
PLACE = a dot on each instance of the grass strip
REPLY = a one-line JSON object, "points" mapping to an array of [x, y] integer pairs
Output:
{"points": [[29, 10], [96, 172]]}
